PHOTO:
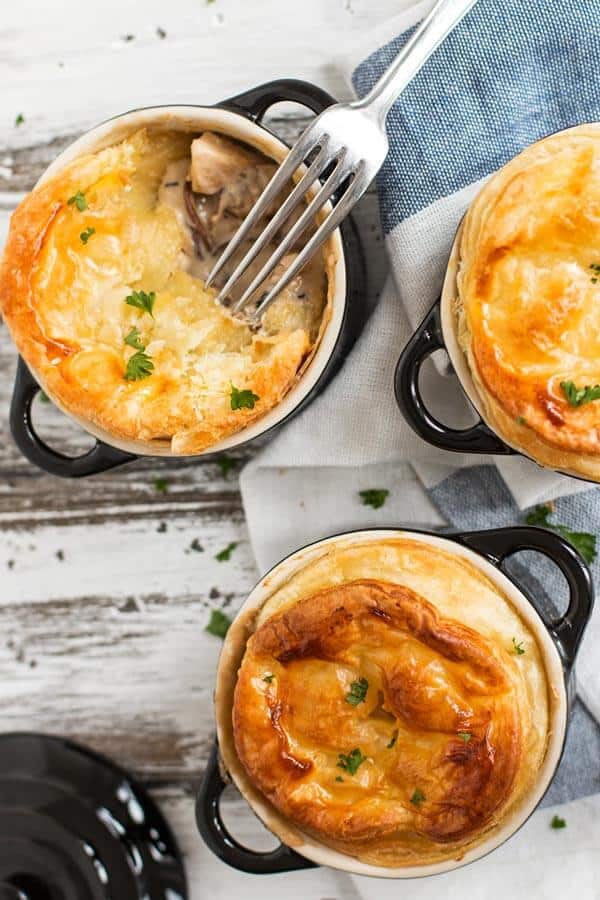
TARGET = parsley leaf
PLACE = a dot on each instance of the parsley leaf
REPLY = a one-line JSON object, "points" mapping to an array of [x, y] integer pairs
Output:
{"points": [[225, 463], [351, 761], [268, 678], [138, 366], [417, 797], [86, 235], [465, 736], [338, 778], [78, 200], [583, 541], [218, 624], [44, 398], [133, 340], [518, 647], [374, 497], [521, 420], [358, 692], [161, 33], [196, 546], [393, 739], [225, 554], [557, 822], [161, 485], [242, 399], [20, 120], [578, 396], [142, 300]]}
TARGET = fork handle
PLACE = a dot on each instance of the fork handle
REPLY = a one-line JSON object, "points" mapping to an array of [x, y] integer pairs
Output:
{"points": [[427, 38]]}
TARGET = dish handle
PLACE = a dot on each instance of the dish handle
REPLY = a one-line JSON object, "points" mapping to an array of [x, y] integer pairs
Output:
{"points": [[255, 102], [100, 458], [426, 340], [500, 543], [220, 841]]}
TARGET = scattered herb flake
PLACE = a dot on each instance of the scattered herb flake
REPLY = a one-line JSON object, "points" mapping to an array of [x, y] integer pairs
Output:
{"points": [[557, 822], [225, 554], [60, 555], [44, 398], [162, 528], [78, 200], [242, 399], [338, 778], [196, 546], [161, 33], [518, 647], [583, 541], [268, 678], [226, 464], [417, 797], [351, 761], [579, 396], [133, 340], [161, 485], [218, 623], [20, 120], [393, 739], [465, 736], [142, 300], [139, 366], [374, 497], [128, 38], [358, 692], [86, 235], [521, 420]]}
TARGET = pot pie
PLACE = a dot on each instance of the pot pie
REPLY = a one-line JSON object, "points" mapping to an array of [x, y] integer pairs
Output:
{"points": [[102, 287], [388, 701], [527, 301]]}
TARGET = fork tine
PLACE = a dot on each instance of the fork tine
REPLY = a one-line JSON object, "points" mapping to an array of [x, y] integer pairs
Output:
{"points": [[303, 147], [339, 174], [339, 212], [290, 203]]}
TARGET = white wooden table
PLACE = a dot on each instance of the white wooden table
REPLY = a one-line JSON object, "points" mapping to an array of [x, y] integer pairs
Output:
{"points": [[104, 598]]}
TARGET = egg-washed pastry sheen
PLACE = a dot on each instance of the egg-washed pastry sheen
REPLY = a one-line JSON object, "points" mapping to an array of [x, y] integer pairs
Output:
{"points": [[528, 300], [102, 287], [391, 703]]}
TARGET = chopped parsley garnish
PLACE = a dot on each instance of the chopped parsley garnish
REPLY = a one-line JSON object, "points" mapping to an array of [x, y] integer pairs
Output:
{"points": [[139, 366], [20, 120], [351, 761], [142, 300], [464, 736], [161, 485], [128, 38], [358, 692], [196, 546], [579, 396], [417, 797], [518, 647], [393, 739], [218, 623], [44, 398], [226, 464], [78, 200], [521, 420], [374, 497], [133, 340], [86, 235], [242, 399], [595, 267], [338, 778], [583, 541], [225, 554], [557, 822], [161, 33], [268, 678]]}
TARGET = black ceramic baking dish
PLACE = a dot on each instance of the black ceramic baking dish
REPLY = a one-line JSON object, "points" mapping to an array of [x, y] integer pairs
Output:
{"points": [[252, 106], [493, 548]]}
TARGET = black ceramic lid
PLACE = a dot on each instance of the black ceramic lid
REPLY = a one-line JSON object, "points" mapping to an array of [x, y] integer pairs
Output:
{"points": [[74, 826]]}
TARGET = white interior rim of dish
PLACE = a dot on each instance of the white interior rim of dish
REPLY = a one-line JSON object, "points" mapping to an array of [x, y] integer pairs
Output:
{"points": [[236, 125], [319, 852]]}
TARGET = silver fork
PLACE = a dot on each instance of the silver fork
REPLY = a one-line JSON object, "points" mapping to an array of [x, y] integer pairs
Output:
{"points": [[347, 142]]}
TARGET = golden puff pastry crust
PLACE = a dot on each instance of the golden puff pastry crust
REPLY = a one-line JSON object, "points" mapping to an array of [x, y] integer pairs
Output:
{"points": [[380, 706], [526, 299], [63, 299]]}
